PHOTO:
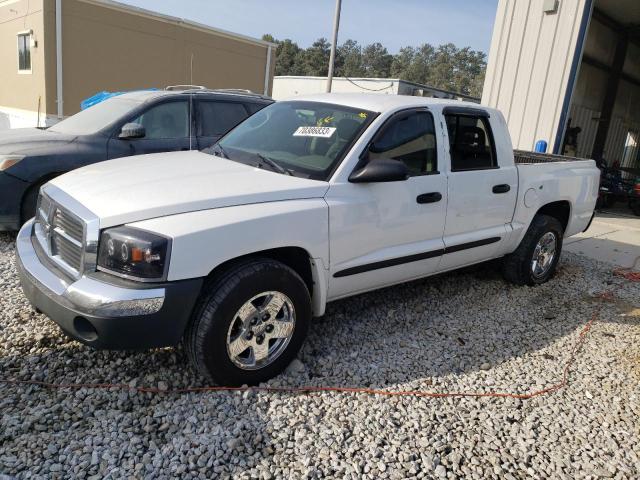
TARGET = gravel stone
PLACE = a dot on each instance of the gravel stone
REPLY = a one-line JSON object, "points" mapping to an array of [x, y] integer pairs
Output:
{"points": [[295, 367], [463, 331]]}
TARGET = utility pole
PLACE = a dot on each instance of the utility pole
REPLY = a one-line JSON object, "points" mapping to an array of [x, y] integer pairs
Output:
{"points": [[332, 57]]}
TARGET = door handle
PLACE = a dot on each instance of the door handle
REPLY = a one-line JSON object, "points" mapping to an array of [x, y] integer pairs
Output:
{"points": [[432, 197], [504, 188]]}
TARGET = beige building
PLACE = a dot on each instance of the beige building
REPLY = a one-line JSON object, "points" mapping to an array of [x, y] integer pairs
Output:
{"points": [[568, 72], [56, 53]]}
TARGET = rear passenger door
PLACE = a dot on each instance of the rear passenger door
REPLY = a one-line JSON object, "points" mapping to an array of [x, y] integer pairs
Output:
{"points": [[214, 118], [482, 191]]}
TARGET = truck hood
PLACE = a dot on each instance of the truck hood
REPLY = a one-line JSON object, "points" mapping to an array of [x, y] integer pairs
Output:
{"points": [[22, 140], [138, 188]]}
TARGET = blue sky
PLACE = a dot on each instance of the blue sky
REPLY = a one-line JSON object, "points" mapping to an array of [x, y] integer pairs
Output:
{"points": [[393, 23]]}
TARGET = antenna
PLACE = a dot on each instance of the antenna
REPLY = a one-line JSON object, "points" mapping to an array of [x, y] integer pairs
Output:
{"points": [[191, 118], [191, 109], [191, 81]]}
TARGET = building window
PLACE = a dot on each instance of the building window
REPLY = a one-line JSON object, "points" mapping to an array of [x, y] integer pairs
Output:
{"points": [[24, 52]]}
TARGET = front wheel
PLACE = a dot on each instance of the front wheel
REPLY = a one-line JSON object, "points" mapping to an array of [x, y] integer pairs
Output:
{"points": [[29, 203], [536, 258], [634, 205], [249, 323]]}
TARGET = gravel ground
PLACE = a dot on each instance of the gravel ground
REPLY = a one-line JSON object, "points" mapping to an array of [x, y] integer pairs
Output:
{"points": [[465, 331]]}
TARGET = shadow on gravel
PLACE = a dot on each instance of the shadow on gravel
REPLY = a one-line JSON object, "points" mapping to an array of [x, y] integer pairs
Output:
{"points": [[454, 323]]}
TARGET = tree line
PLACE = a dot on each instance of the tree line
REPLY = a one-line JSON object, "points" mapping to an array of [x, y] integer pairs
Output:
{"points": [[446, 66]]}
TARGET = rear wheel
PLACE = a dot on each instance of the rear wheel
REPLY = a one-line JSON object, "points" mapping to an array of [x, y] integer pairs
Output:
{"points": [[536, 258], [249, 323]]}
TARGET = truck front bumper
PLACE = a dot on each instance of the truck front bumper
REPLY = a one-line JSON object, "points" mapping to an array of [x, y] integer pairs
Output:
{"points": [[104, 312]]}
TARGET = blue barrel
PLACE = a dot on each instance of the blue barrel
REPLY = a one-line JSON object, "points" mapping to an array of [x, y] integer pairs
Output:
{"points": [[541, 146], [97, 98], [102, 96]]}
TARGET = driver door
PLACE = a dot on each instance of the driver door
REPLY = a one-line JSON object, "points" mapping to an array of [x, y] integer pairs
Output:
{"points": [[390, 232], [167, 129]]}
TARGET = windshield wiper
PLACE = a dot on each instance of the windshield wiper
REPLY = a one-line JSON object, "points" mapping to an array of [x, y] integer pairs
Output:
{"points": [[277, 167], [218, 147]]}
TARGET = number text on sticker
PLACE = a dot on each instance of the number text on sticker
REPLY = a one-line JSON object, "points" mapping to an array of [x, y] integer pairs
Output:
{"points": [[323, 132]]}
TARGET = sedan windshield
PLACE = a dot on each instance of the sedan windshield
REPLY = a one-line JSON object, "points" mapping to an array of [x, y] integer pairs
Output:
{"points": [[96, 117], [305, 139]]}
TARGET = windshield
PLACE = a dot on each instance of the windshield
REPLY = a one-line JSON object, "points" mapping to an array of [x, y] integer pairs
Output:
{"points": [[305, 139], [96, 117]]}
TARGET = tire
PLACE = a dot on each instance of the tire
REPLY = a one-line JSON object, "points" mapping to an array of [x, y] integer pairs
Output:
{"points": [[29, 203], [518, 267], [217, 323], [635, 207]]}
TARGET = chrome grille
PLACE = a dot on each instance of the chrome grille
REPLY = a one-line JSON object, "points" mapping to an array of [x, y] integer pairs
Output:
{"points": [[68, 250], [61, 235], [68, 224], [44, 207]]}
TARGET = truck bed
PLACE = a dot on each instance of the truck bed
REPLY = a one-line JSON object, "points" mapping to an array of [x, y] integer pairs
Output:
{"points": [[544, 178], [523, 157]]}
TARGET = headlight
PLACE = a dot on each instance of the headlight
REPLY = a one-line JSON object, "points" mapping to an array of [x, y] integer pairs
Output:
{"points": [[7, 161], [133, 253]]}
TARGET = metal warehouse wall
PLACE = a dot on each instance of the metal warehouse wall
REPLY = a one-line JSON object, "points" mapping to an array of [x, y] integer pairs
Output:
{"points": [[108, 46], [530, 64]]}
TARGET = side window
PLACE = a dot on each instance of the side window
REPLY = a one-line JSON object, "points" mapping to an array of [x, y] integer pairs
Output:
{"points": [[254, 107], [470, 142], [217, 118], [167, 120], [411, 139], [24, 52]]}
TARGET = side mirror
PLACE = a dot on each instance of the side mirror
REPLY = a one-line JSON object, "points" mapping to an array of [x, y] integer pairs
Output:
{"points": [[132, 130], [382, 170]]}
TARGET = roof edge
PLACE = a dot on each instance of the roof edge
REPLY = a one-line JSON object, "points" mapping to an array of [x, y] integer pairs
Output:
{"points": [[358, 79], [177, 20]]}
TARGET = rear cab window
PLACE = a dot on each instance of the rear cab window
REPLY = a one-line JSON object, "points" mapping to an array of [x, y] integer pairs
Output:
{"points": [[471, 143]]}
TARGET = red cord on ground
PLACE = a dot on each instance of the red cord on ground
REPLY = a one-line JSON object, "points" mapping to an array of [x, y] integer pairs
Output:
{"points": [[626, 273]]}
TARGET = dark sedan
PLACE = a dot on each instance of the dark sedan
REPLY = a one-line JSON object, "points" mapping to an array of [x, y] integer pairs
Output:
{"points": [[129, 124]]}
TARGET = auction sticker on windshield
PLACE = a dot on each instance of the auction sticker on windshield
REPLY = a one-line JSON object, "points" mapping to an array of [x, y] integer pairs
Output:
{"points": [[322, 132]]}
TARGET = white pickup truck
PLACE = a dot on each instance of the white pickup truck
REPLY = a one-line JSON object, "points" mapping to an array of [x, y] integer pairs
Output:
{"points": [[233, 250]]}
